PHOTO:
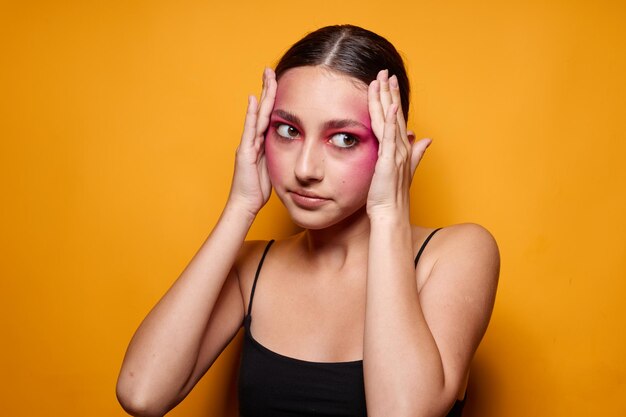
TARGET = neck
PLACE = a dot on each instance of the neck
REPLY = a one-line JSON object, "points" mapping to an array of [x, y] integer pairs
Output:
{"points": [[334, 245]]}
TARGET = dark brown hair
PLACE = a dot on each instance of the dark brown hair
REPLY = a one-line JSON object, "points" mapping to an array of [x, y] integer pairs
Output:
{"points": [[350, 50]]}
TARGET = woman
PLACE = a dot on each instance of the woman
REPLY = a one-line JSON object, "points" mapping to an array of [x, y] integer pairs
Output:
{"points": [[362, 327]]}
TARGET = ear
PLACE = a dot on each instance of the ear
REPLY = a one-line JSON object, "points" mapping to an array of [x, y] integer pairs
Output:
{"points": [[411, 135], [417, 152]]}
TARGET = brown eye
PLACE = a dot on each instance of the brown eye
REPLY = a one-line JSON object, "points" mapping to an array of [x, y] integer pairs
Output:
{"points": [[287, 131], [343, 140]]}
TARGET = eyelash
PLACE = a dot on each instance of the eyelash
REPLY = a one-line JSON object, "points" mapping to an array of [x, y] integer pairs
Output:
{"points": [[348, 136], [278, 126]]}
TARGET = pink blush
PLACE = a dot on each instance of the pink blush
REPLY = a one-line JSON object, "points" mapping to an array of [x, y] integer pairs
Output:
{"points": [[370, 145], [367, 161], [371, 141]]}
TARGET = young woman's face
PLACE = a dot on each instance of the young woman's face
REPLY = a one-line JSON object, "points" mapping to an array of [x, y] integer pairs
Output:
{"points": [[320, 147]]}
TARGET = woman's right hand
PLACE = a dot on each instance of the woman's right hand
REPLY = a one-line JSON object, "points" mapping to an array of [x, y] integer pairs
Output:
{"points": [[251, 187], [198, 316]]}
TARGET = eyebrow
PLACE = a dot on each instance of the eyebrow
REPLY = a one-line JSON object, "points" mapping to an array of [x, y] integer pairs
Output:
{"points": [[330, 124]]}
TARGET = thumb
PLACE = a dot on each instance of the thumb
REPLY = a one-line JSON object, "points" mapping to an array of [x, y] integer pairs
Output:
{"points": [[417, 152]]}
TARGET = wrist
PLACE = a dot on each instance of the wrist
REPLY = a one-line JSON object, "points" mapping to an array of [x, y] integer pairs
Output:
{"points": [[239, 214], [389, 218]]}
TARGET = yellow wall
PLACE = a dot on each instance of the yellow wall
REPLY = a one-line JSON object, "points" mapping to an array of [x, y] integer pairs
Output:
{"points": [[118, 125]]}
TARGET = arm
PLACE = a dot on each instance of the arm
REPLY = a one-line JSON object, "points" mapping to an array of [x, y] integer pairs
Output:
{"points": [[185, 332], [418, 343]]}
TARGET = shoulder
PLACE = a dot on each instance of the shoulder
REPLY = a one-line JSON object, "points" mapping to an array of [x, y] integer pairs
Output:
{"points": [[459, 281], [247, 262], [459, 239], [468, 239], [250, 255], [466, 251]]}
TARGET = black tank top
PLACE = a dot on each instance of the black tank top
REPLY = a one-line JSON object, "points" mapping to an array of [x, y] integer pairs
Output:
{"points": [[271, 384]]}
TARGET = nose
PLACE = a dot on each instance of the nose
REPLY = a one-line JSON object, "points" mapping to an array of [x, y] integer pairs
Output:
{"points": [[310, 163]]}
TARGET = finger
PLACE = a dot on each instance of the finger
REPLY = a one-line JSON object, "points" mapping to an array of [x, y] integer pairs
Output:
{"points": [[377, 116], [267, 74], [394, 88], [266, 106], [417, 152], [388, 142], [264, 178], [249, 126], [385, 94], [402, 150], [264, 85]]}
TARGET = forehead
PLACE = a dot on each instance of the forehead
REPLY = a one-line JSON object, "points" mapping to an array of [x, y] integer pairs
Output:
{"points": [[318, 92]]}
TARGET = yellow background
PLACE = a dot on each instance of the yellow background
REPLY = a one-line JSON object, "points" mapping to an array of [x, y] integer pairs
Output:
{"points": [[118, 125]]}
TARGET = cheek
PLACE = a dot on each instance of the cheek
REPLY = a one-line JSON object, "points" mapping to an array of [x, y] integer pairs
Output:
{"points": [[359, 172], [368, 159], [370, 156]]}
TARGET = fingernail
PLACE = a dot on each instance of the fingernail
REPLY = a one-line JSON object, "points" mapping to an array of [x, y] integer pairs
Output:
{"points": [[386, 73], [393, 81]]}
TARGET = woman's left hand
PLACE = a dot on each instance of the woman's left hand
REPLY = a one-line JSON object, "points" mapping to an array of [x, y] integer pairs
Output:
{"points": [[398, 153]]}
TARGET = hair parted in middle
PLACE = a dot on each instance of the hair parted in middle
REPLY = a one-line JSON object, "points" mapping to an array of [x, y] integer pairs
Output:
{"points": [[350, 50]]}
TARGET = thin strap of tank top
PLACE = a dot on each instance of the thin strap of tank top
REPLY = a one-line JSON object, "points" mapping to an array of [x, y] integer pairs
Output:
{"points": [[256, 276], [419, 253], [269, 244]]}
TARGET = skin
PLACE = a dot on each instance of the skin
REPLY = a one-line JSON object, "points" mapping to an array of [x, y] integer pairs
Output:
{"points": [[307, 154], [344, 289]]}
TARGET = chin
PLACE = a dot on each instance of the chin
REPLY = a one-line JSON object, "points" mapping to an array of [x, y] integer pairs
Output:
{"points": [[311, 224], [310, 219], [322, 219]]}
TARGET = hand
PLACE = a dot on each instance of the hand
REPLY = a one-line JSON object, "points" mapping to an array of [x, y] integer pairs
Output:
{"points": [[398, 153], [251, 187]]}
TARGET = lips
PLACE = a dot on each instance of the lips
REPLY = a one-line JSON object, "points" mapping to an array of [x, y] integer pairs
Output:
{"points": [[307, 199]]}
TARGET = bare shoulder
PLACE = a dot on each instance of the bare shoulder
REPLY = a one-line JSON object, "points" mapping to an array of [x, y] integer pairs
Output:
{"points": [[469, 239], [248, 259], [457, 284], [466, 251], [246, 265], [250, 251]]}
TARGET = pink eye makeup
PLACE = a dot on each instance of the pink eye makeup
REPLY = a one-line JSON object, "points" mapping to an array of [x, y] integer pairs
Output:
{"points": [[286, 131], [344, 140], [342, 134]]}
